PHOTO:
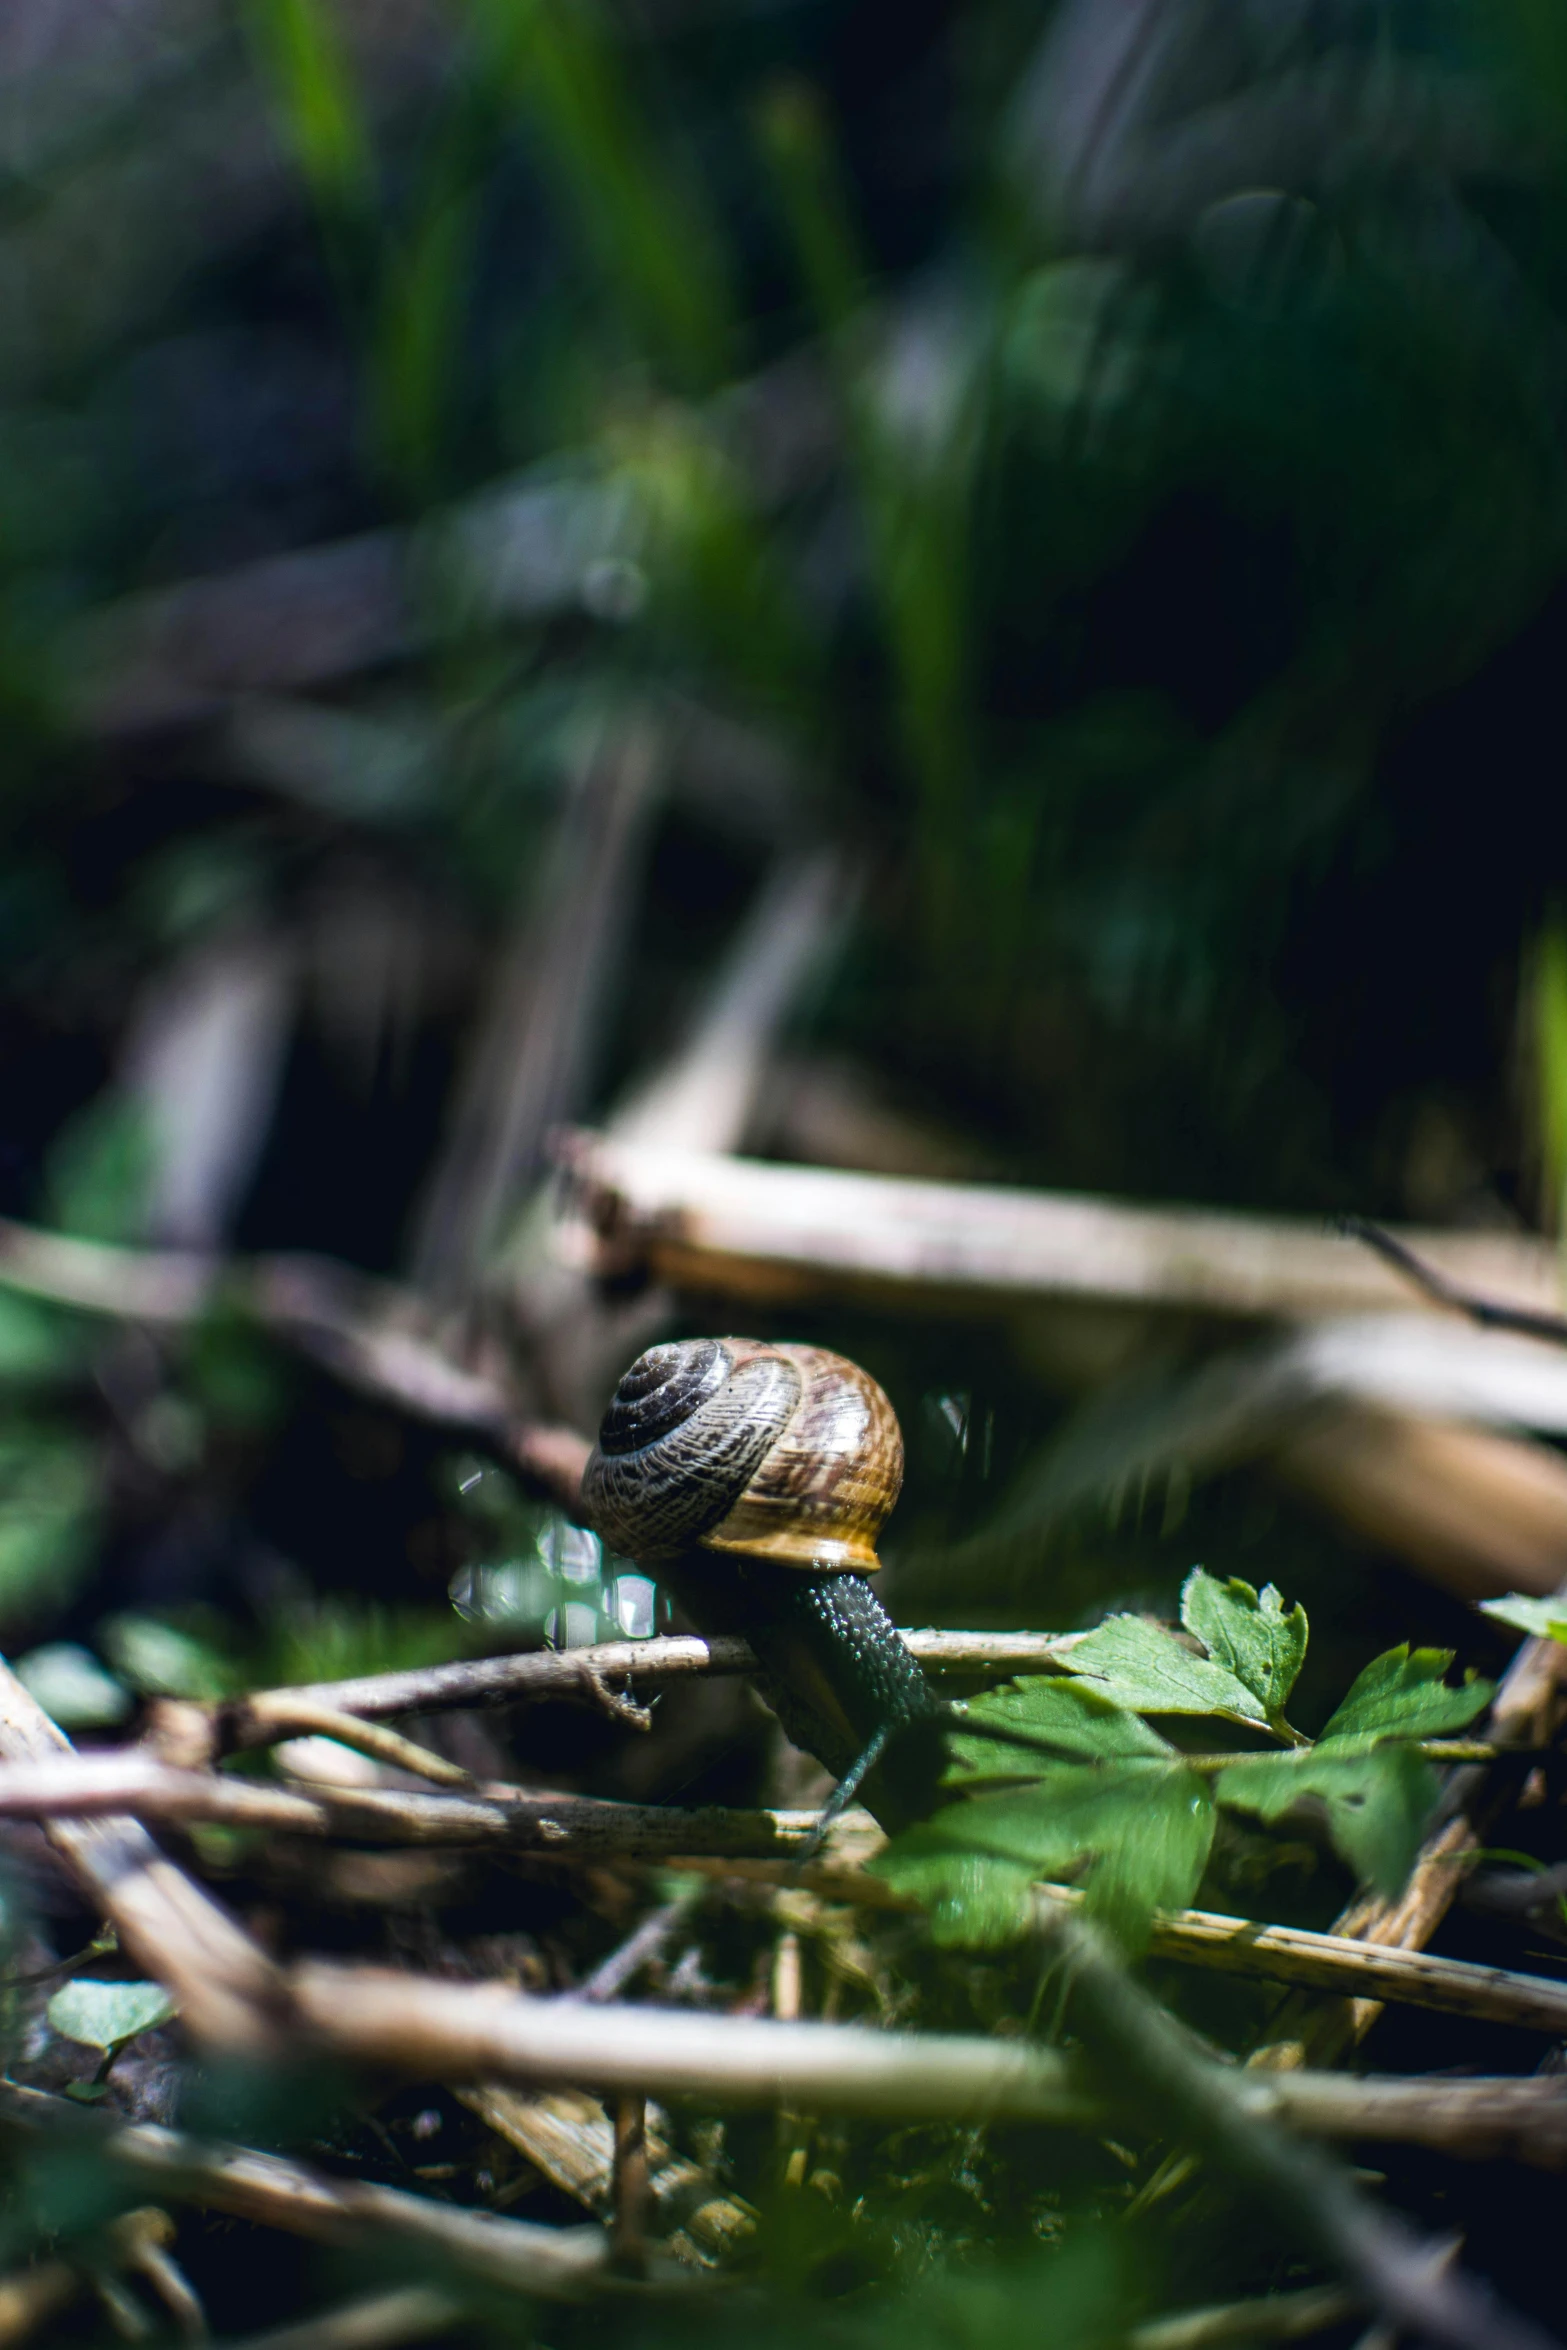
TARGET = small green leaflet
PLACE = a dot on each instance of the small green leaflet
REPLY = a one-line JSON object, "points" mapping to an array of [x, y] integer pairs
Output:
{"points": [[1071, 1720], [1146, 1825], [1546, 1619], [1251, 1634], [1141, 1664], [1402, 1695], [104, 2015], [1377, 1801]]}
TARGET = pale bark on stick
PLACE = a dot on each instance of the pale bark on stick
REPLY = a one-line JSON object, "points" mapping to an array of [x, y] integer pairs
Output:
{"points": [[744, 1228], [588, 1673], [274, 2192], [227, 1989], [459, 2032]]}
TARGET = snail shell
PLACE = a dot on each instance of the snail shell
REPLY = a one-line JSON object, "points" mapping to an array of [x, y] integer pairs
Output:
{"points": [[786, 1453]]}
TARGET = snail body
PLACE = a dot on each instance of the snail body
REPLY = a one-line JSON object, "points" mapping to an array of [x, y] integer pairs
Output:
{"points": [[754, 1480]]}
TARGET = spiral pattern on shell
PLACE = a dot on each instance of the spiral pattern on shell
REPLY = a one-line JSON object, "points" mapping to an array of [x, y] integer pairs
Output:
{"points": [[787, 1453]]}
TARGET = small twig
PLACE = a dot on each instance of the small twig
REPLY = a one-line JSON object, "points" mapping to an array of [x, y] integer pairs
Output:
{"points": [[629, 2187], [1489, 1313], [650, 1940], [290, 1717]]}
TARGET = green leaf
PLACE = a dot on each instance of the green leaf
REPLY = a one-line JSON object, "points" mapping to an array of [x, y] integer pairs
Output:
{"points": [[48, 1505], [1248, 1632], [975, 1900], [1402, 1695], [1543, 1618], [1140, 1664], [1377, 1801], [1050, 1715], [1145, 1826], [105, 2015], [72, 1686], [160, 1660]]}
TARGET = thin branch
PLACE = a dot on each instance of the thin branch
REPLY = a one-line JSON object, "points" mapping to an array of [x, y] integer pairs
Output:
{"points": [[366, 1333], [555, 2263], [585, 1674], [1490, 1313], [1237, 1946], [297, 1717], [575, 1827]]}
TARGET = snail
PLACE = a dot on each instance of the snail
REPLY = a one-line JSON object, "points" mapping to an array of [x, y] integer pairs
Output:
{"points": [[753, 1480]]}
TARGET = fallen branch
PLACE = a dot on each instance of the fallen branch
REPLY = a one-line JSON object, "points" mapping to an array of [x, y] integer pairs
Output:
{"points": [[556, 2263], [742, 1228], [429, 2030], [1235, 1946], [364, 1332]]}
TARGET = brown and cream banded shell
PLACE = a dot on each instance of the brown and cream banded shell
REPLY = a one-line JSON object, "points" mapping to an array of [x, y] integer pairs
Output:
{"points": [[786, 1453]]}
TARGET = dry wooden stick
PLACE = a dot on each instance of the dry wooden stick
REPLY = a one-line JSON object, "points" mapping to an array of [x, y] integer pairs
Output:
{"points": [[735, 1842], [227, 1989], [431, 2030], [585, 1674], [556, 2263], [742, 1228], [1230, 1945], [91, 1787]]}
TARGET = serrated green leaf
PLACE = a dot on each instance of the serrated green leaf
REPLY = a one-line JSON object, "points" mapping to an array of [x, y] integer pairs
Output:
{"points": [[1402, 1694], [1545, 1619], [103, 2015], [1140, 1664], [1377, 1799], [1250, 1633], [1050, 1715], [1145, 1826]]}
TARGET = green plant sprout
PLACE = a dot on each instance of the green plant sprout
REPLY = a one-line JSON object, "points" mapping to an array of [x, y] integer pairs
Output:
{"points": [[1063, 1775]]}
